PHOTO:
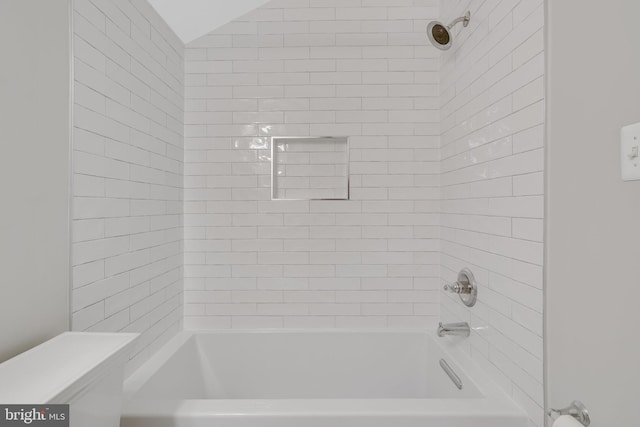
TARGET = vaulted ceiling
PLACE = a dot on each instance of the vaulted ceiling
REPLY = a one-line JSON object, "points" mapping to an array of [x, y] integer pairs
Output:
{"points": [[191, 19]]}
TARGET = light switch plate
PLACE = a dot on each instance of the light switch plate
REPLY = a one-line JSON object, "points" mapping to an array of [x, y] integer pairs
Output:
{"points": [[630, 152]]}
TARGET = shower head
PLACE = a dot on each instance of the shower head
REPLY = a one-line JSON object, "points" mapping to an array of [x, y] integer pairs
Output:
{"points": [[440, 35]]}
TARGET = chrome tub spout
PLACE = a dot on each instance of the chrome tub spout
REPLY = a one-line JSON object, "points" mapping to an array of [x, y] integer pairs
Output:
{"points": [[459, 329]]}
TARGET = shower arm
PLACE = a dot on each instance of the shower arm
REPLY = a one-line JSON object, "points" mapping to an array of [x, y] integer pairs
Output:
{"points": [[464, 19]]}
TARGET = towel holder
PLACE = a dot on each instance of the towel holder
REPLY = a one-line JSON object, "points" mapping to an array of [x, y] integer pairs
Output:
{"points": [[577, 410]]}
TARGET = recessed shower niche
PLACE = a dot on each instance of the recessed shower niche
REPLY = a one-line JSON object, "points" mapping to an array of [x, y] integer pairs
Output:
{"points": [[310, 168]]}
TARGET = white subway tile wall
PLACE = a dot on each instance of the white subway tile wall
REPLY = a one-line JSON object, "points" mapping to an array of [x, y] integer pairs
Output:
{"points": [[492, 187], [358, 68], [128, 172]]}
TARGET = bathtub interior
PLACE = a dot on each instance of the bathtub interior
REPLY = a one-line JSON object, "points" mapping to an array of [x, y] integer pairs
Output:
{"points": [[303, 365]]}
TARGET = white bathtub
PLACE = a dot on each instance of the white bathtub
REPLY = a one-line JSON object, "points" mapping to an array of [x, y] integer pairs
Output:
{"points": [[311, 379]]}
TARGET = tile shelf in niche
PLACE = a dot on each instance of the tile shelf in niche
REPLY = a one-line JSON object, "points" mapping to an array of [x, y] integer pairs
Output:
{"points": [[310, 168]]}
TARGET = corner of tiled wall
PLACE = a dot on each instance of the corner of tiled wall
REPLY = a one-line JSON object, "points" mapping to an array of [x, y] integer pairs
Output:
{"points": [[128, 154], [492, 187]]}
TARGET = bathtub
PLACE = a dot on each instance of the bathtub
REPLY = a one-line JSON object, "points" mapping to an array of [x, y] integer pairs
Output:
{"points": [[312, 379]]}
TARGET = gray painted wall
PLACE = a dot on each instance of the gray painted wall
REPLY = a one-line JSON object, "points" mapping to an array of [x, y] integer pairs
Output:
{"points": [[593, 232], [34, 172]]}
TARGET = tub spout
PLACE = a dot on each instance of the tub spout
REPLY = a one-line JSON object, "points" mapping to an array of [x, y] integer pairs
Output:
{"points": [[460, 329]]}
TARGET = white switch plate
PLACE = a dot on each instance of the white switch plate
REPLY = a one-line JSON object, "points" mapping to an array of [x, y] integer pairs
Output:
{"points": [[630, 152]]}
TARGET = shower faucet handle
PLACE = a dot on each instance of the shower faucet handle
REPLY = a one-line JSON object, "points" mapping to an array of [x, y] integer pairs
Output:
{"points": [[458, 288], [465, 286], [454, 288]]}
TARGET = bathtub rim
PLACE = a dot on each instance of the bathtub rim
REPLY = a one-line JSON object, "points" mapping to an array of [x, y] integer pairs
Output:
{"points": [[494, 401]]}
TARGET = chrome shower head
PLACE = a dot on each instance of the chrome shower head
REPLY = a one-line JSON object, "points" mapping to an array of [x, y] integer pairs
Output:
{"points": [[440, 35]]}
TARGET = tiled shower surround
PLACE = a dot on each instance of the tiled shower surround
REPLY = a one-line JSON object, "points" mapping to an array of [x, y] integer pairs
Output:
{"points": [[492, 187], [361, 69], [446, 172], [128, 168]]}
